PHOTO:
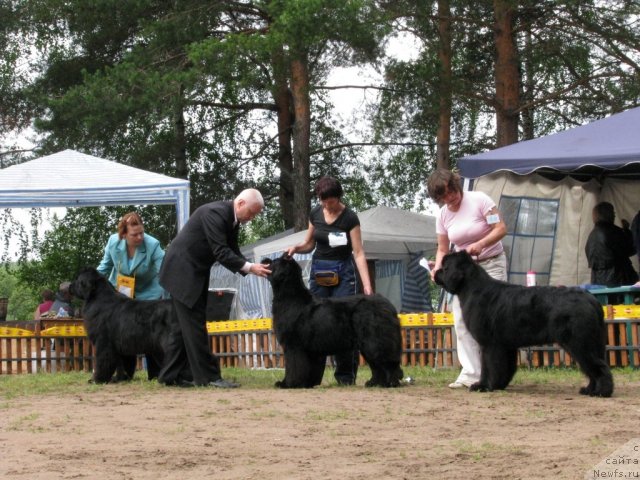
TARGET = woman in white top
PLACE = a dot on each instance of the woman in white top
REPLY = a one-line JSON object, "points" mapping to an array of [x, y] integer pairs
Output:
{"points": [[467, 221]]}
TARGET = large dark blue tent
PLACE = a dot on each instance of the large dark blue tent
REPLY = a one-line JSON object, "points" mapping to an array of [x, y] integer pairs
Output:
{"points": [[610, 146], [546, 189]]}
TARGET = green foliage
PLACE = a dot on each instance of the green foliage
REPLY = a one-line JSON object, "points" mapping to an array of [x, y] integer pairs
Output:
{"points": [[22, 301]]}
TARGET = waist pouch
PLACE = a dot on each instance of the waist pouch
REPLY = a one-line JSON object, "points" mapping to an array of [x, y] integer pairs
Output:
{"points": [[326, 273], [327, 278]]}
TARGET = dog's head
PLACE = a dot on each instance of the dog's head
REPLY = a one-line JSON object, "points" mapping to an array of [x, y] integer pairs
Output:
{"points": [[86, 283], [455, 269], [284, 270]]}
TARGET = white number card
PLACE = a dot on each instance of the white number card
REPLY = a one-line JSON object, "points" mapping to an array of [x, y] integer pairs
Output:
{"points": [[337, 239]]}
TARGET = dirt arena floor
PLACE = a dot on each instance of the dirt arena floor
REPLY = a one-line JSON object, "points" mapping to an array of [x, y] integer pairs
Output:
{"points": [[421, 431]]}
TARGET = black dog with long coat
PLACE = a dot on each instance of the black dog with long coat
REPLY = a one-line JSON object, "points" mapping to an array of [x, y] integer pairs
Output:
{"points": [[503, 317], [120, 328], [310, 328]]}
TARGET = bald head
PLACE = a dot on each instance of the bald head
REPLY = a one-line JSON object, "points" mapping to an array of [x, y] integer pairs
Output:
{"points": [[251, 195], [248, 204]]}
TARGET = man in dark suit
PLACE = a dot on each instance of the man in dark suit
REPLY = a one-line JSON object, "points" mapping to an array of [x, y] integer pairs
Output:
{"points": [[210, 235]]}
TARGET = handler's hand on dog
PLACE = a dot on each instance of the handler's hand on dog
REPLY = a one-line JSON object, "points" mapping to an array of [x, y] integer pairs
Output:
{"points": [[260, 270], [475, 249]]}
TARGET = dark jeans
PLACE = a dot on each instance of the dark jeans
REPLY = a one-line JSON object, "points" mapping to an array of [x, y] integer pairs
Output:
{"points": [[346, 362]]}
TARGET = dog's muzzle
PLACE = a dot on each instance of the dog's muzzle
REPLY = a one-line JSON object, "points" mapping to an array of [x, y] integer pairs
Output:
{"points": [[438, 278]]}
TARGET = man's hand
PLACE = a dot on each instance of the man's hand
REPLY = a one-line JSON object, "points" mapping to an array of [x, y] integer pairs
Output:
{"points": [[260, 270]]}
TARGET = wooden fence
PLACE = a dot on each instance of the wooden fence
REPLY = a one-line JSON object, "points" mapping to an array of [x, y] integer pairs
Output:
{"points": [[428, 340]]}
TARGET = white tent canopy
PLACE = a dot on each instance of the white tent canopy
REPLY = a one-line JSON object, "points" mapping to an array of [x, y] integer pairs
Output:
{"points": [[74, 179]]}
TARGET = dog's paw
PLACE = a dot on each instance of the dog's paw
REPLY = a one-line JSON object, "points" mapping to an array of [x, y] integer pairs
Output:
{"points": [[280, 384], [478, 387], [586, 391], [602, 394]]}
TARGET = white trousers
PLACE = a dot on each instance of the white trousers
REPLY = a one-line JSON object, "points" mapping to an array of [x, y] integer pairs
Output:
{"points": [[467, 348]]}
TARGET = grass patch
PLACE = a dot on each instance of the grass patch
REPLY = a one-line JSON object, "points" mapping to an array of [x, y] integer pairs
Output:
{"points": [[478, 452], [327, 416], [27, 423], [16, 386]]}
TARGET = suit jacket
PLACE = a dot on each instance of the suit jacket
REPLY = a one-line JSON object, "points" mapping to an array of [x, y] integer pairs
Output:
{"points": [[145, 265], [208, 237]]}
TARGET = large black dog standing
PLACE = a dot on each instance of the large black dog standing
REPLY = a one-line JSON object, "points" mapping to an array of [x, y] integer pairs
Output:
{"points": [[310, 328], [504, 317], [120, 327]]}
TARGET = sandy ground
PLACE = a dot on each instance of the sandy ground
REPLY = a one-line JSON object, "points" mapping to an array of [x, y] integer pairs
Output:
{"points": [[533, 431]]}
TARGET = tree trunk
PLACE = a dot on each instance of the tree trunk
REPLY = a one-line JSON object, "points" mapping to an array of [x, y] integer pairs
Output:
{"points": [[301, 136], [443, 138], [282, 97], [528, 87], [507, 76], [180, 145]]}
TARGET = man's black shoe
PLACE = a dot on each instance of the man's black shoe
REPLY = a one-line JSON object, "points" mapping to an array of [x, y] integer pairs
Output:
{"points": [[222, 383], [181, 383]]}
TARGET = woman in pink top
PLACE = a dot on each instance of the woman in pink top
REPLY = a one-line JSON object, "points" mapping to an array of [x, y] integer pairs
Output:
{"points": [[469, 221]]}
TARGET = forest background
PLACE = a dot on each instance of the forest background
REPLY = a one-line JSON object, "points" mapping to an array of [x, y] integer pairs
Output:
{"points": [[231, 94]]}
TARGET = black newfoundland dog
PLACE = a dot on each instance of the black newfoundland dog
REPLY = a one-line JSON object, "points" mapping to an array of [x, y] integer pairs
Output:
{"points": [[120, 328], [503, 317], [310, 328]]}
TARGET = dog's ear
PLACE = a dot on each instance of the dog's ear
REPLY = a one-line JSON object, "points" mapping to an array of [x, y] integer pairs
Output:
{"points": [[266, 261], [286, 256], [463, 254]]}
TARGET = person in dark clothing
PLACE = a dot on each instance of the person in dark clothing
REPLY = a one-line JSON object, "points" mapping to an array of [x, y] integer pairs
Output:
{"points": [[635, 233], [334, 232], [210, 235], [608, 249]]}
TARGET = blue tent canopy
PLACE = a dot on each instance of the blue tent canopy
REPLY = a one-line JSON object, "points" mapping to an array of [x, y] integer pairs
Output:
{"points": [[609, 146], [74, 179]]}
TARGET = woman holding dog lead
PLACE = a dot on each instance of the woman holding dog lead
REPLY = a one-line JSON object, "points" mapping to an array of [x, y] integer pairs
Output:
{"points": [[131, 262], [334, 232], [470, 221]]}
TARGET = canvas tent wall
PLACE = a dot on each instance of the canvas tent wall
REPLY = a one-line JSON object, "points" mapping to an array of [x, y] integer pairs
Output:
{"points": [[74, 179], [391, 238], [547, 187]]}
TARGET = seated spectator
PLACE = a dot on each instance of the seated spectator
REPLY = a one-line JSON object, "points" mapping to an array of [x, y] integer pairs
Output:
{"points": [[608, 249], [62, 306], [47, 300]]}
